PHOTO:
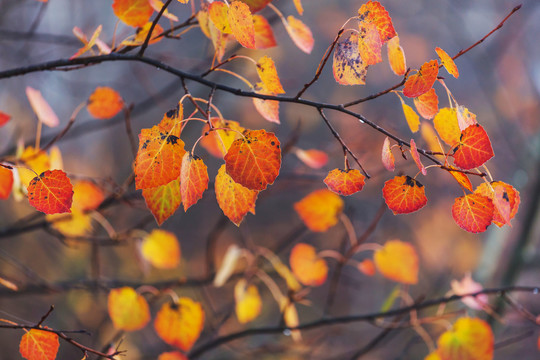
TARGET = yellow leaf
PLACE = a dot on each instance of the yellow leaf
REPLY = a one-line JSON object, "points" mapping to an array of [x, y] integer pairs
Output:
{"points": [[469, 339], [161, 249], [446, 124], [320, 210], [226, 269], [397, 261], [248, 301], [128, 310]]}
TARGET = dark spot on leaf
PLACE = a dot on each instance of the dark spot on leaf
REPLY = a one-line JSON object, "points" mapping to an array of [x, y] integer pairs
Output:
{"points": [[171, 139], [505, 196]]}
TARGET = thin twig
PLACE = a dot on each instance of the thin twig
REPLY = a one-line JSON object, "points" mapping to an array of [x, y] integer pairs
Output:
{"points": [[154, 23]]}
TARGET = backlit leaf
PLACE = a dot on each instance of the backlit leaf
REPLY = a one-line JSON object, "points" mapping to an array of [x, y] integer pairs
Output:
{"points": [[142, 33], [366, 267], [41, 107], [387, 157], [423, 80], [193, 179], [396, 56], [162, 201], [397, 261], [104, 103], [180, 324], [505, 199], [6, 182], [462, 179], [473, 212], [412, 117], [447, 62], [299, 7], [404, 194], [35, 159], [369, 43], [248, 301], [256, 5], [128, 310], [313, 158], [345, 182], [430, 137], [264, 35], [474, 148], [204, 20], [307, 266], [51, 192], [4, 118], [319, 210], [427, 104], [74, 225], [465, 117], [469, 339], [219, 40], [134, 13], [157, 5], [218, 13], [284, 272], [161, 249], [269, 109], [226, 269], [86, 195], [375, 13], [88, 45], [171, 121], [468, 286], [172, 355], [234, 199], [218, 142], [39, 345], [254, 160], [446, 124], [269, 76], [241, 23], [348, 66], [300, 34], [416, 158]]}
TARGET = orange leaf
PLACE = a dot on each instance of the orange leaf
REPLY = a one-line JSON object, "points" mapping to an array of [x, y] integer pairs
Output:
{"points": [[180, 324], [307, 266], [88, 45], [427, 104], [313, 158], [299, 7], [162, 201], [104, 103], [264, 35], [172, 355], [348, 66], [51, 192], [320, 210], [193, 179], [416, 158], [234, 199], [218, 15], [76, 225], [128, 310], [41, 108], [469, 339], [218, 142], [369, 43], [404, 194], [248, 301], [86, 195], [134, 13], [397, 261], [423, 80], [474, 148], [462, 179], [254, 160], [446, 124], [142, 33], [241, 23], [473, 212], [159, 158], [412, 118], [345, 182], [269, 109], [505, 199], [171, 121], [4, 118], [6, 182], [157, 5], [375, 13], [387, 157], [39, 345], [367, 267], [161, 249], [447, 62], [300, 34], [269, 76], [396, 57], [256, 5]]}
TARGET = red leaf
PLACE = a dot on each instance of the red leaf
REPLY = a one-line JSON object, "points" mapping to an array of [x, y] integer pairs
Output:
{"points": [[505, 199], [474, 148], [39, 345], [264, 35], [193, 179], [300, 33], [422, 81], [4, 118], [369, 43], [104, 103], [427, 104], [473, 212], [134, 13], [416, 158], [51, 192], [461, 178], [345, 182], [375, 13], [241, 23], [6, 182], [234, 199], [404, 194], [313, 158]]}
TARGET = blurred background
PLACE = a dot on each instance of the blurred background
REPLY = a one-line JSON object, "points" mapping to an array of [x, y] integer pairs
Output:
{"points": [[499, 82]]}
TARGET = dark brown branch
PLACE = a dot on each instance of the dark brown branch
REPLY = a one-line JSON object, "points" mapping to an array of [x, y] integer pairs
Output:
{"points": [[154, 23], [129, 130]]}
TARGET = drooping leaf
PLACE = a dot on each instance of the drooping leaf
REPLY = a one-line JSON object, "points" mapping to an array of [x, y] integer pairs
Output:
{"points": [[430, 137], [162, 201], [256, 5], [387, 157], [313, 158], [447, 62], [218, 142], [142, 33], [290, 318], [345, 182], [473, 212], [39, 345], [6, 182], [4, 118], [427, 104], [241, 23], [307, 266], [319, 210], [300, 34], [412, 117], [254, 160], [129, 311], [51, 192], [284, 272], [404, 194], [203, 17], [348, 66], [88, 45], [193, 179], [373, 12], [220, 40], [446, 124], [264, 35], [369, 43], [468, 286], [298, 6], [367, 267], [41, 107], [172, 355], [180, 324], [161, 249], [474, 148], [505, 199], [171, 121], [465, 117], [87, 195], [226, 269], [248, 301], [269, 109], [104, 103], [218, 13], [269, 76], [416, 158], [469, 339], [397, 261], [423, 80], [396, 57], [157, 5], [134, 13], [234, 199], [462, 179]]}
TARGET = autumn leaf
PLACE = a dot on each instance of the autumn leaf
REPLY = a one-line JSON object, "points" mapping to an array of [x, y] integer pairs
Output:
{"points": [[396, 57], [4, 118], [264, 35], [87, 195], [366, 267], [307, 266], [218, 13], [473, 212], [248, 301], [373, 12], [134, 13], [345, 182], [465, 117], [505, 199], [6, 182], [269, 109], [397, 261], [348, 66], [313, 158], [430, 137], [412, 118], [39, 345], [319, 210], [172, 355], [284, 272], [387, 157], [142, 34], [218, 142], [369, 43], [300, 34], [219, 39], [469, 339], [404, 195], [256, 5], [474, 148], [104, 103], [461, 178], [423, 80], [446, 124], [416, 158], [41, 107], [88, 45], [171, 121], [234, 199], [51, 192], [468, 286], [128, 310], [193, 179], [269, 76], [161, 249], [427, 104], [157, 5], [226, 269], [36, 160], [162, 201], [180, 324], [254, 160], [447, 62], [290, 318], [241, 23]]}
